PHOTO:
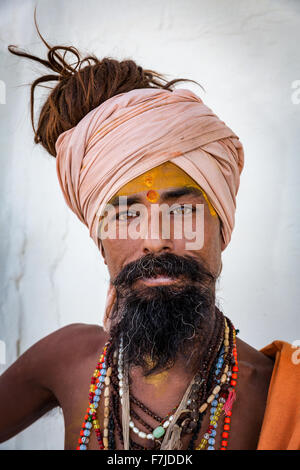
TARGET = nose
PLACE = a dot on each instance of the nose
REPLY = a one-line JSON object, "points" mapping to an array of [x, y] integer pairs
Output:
{"points": [[156, 239], [156, 246]]}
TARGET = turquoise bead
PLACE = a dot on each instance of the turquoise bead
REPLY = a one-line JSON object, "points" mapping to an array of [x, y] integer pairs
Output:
{"points": [[158, 432]]}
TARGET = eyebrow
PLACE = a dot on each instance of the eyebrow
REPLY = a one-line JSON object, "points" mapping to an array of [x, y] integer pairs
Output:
{"points": [[166, 195], [179, 192], [116, 201]]}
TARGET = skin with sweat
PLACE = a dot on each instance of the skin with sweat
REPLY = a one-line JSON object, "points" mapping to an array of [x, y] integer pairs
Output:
{"points": [[59, 367]]}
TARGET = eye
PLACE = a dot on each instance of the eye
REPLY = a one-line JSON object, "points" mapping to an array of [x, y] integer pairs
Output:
{"points": [[182, 209], [125, 215]]}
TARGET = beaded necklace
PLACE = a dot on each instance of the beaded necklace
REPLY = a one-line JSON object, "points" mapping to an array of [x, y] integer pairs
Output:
{"points": [[192, 422], [90, 418], [164, 423], [219, 404], [219, 400]]}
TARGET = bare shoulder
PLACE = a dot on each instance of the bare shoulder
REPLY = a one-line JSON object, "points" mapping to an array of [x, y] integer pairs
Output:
{"points": [[44, 375], [64, 348], [253, 361], [77, 336], [77, 339]]}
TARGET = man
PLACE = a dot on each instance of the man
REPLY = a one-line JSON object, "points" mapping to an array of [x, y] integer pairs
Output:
{"points": [[135, 152]]}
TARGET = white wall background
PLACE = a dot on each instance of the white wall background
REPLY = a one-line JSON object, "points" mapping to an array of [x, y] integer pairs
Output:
{"points": [[246, 55]]}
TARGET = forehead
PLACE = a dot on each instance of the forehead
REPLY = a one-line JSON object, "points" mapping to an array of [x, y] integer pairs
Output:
{"points": [[161, 178], [165, 176]]}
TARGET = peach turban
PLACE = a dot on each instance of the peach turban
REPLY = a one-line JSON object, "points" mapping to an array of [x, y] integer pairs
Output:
{"points": [[136, 131]]}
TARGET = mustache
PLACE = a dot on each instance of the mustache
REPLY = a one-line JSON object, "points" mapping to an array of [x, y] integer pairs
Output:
{"points": [[167, 264]]}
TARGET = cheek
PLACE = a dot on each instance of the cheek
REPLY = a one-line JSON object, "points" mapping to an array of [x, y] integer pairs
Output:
{"points": [[211, 249], [117, 253], [201, 226], [211, 228], [212, 241], [110, 252]]}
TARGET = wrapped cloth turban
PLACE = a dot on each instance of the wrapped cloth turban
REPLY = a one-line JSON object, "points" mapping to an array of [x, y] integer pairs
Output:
{"points": [[136, 131]]}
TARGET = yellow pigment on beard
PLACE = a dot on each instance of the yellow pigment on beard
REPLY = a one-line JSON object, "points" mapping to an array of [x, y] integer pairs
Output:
{"points": [[158, 380], [165, 176]]}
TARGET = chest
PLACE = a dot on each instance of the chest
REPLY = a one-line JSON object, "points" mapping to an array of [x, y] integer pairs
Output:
{"points": [[244, 427]]}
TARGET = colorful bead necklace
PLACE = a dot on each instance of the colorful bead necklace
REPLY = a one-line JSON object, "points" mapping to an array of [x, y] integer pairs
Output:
{"points": [[217, 406], [218, 400], [193, 421], [90, 419]]}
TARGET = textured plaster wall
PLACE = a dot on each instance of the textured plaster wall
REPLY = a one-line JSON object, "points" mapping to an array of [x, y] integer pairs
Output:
{"points": [[246, 55]]}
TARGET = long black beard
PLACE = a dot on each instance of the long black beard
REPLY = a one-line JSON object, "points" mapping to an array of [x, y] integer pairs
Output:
{"points": [[160, 323]]}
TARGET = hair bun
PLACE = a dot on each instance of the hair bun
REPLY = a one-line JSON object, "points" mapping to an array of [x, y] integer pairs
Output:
{"points": [[82, 86]]}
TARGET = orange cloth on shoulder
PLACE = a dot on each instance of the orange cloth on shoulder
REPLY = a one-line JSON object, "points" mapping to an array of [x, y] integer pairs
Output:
{"points": [[281, 424]]}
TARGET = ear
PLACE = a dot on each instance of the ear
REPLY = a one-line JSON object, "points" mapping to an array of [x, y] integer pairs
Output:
{"points": [[103, 254]]}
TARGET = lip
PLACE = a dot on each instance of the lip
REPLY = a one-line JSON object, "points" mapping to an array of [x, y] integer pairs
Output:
{"points": [[159, 281]]}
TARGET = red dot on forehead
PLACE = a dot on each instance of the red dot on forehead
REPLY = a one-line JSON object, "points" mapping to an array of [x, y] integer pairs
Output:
{"points": [[152, 195]]}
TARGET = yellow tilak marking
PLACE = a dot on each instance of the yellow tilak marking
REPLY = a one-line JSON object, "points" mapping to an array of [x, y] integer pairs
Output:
{"points": [[165, 176], [211, 209], [148, 180]]}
